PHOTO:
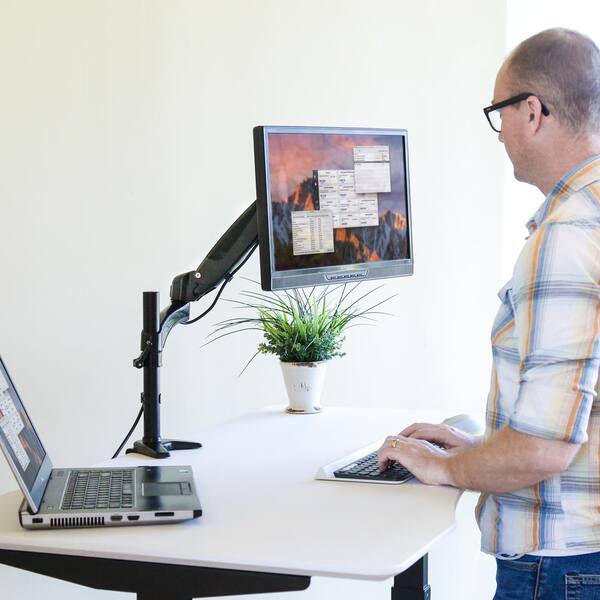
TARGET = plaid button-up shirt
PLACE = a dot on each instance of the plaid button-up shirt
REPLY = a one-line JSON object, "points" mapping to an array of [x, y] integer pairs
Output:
{"points": [[546, 356]]}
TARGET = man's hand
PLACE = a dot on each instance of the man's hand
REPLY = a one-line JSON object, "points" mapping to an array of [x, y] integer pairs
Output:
{"points": [[451, 438], [424, 461], [508, 460]]}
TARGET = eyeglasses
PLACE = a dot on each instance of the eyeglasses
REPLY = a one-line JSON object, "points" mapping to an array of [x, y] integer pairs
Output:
{"points": [[492, 112]]}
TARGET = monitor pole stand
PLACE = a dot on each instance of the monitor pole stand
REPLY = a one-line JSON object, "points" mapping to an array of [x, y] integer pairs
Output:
{"points": [[228, 255], [150, 361]]}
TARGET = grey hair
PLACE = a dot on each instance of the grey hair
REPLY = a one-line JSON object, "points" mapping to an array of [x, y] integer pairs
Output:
{"points": [[563, 68]]}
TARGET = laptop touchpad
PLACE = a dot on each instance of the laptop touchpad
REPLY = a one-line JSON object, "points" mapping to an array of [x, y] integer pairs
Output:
{"points": [[159, 488]]}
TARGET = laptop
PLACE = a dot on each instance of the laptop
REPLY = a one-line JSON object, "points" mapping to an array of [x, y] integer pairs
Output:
{"points": [[99, 497]]}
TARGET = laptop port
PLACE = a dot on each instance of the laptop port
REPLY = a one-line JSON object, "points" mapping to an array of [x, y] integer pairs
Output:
{"points": [[164, 514], [133, 517], [37, 520], [116, 517]]}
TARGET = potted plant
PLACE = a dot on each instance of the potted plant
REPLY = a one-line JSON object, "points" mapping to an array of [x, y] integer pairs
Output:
{"points": [[305, 329]]}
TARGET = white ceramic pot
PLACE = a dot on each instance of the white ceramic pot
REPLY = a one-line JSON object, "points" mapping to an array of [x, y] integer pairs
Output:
{"points": [[304, 383]]}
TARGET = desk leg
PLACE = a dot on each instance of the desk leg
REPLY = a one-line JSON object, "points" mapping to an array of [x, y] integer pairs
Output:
{"points": [[412, 583]]}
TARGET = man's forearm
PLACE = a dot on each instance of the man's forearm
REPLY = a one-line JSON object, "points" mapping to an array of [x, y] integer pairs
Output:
{"points": [[508, 461]]}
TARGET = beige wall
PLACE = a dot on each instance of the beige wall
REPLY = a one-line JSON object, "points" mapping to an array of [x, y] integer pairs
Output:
{"points": [[125, 151]]}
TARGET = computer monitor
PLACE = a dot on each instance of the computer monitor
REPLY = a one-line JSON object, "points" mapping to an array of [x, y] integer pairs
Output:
{"points": [[333, 205]]}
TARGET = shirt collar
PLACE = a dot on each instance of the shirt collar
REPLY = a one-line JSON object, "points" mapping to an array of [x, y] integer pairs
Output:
{"points": [[578, 177]]}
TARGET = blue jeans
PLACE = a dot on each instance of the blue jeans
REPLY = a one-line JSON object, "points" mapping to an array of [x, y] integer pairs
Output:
{"points": [[549, 578]]}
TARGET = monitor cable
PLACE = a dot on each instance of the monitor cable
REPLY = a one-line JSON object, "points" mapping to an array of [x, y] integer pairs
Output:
{"points": [[137, 420]]}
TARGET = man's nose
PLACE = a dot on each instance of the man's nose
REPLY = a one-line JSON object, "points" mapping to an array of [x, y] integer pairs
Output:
{"points": [[500, 138]]}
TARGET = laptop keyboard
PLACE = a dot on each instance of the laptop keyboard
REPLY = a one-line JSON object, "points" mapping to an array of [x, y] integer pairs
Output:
{"points": [[87, 490]]}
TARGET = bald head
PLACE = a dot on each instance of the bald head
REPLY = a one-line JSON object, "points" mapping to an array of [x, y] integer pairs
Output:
{"points": [[562, 67]]}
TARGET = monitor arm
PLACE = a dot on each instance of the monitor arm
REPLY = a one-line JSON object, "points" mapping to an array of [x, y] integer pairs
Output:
{"points": [[225, 257]]}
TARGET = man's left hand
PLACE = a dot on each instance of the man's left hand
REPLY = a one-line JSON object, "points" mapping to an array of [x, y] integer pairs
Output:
{"points": [[425, 461]]}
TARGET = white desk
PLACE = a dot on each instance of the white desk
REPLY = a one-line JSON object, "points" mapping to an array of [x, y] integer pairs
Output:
{"points": [[263, 510]]}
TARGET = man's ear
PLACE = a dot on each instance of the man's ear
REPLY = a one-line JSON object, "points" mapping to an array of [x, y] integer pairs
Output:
{"points": [[534, 106]]}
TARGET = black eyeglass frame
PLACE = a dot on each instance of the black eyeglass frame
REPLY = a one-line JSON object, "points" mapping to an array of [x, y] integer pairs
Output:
{"points": [[513, 100]]}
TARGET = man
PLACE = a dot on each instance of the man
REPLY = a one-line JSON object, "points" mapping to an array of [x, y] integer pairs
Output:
{"points": [[538, 466]]}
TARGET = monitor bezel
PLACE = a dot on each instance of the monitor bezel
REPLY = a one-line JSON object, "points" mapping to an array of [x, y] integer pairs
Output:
{"points": [[273, 280]]}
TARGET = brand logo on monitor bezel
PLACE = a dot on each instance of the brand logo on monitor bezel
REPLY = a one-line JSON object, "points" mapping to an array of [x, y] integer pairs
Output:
{"points": [[347, 276]]}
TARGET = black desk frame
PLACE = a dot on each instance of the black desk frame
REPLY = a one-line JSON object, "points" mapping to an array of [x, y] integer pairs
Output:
{"points": [[157, 581]]}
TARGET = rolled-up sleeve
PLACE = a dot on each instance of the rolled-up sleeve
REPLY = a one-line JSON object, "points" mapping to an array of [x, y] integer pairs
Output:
{"points": [[556, 300]]}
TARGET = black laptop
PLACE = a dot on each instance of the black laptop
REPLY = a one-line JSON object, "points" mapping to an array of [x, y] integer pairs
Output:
{"points": [[69, 498]]}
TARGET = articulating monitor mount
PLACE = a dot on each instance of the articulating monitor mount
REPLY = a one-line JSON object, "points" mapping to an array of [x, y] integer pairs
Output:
{"points": [[225, 258]]}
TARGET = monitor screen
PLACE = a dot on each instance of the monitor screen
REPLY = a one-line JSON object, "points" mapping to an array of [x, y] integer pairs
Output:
{"points": [[333, 205]]}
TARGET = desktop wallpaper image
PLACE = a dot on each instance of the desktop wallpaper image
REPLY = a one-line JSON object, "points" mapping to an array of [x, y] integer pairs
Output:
{"points": [[292, 159]]}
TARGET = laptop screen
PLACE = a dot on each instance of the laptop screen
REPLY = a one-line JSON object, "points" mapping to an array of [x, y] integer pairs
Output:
{"points": [[18, 438]]}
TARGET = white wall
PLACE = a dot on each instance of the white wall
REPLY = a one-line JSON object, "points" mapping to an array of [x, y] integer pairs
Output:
{"points": [[525, 18], [125, 152]]}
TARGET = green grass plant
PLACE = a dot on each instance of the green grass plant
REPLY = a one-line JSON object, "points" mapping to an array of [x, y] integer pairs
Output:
{"points": [[304, 324]]}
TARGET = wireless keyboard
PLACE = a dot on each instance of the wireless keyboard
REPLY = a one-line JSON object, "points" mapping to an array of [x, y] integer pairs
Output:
{"points": [[361, 465], [367, 468]]}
